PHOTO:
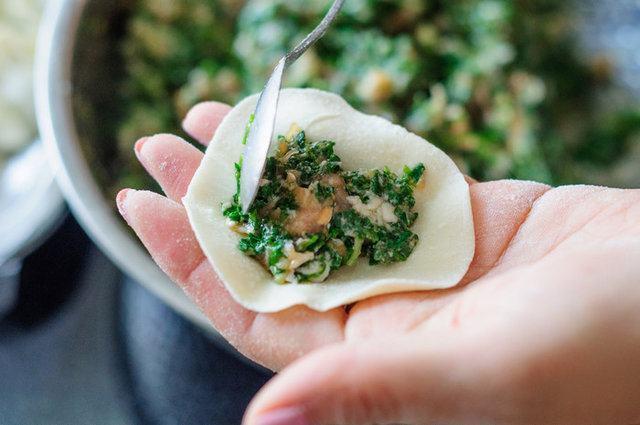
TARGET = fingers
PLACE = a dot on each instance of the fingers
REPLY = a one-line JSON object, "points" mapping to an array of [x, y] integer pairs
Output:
{"points": [[273, 340], [395, 313], [566, 215], [171, 161], [203, 119], [378, 381], [163, 228], [499, 209]]}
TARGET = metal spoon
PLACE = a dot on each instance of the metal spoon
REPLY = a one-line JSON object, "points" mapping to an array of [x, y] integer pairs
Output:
{"points": [[264, 117]]}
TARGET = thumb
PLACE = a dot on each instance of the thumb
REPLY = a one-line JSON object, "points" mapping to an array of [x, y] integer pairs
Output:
{"points": [[361, 383]]}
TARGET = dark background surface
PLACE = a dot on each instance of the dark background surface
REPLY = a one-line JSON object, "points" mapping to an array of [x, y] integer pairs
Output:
{"points": [[86, 345]]}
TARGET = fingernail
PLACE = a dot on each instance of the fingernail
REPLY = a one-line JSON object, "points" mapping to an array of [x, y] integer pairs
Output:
{"points": [[138, 146], [287, 416], [120, 201]]}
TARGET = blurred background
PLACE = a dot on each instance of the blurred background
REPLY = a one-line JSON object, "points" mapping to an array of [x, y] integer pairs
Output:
{"points": [[90, 330]]}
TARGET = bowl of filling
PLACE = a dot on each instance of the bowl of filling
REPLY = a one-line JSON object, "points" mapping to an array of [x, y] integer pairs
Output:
{"points": [[526, 89]]}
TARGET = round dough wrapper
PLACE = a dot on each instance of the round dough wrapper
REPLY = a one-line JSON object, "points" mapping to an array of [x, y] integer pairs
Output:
{"points": [[445, 225]]}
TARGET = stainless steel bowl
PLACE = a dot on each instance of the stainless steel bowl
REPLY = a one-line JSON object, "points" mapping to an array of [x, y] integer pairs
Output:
{"points": [[608, 24], [57, 123]]}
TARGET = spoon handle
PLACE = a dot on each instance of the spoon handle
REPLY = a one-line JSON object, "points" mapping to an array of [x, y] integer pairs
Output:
{"points": [[316, 34], [260, 133]]}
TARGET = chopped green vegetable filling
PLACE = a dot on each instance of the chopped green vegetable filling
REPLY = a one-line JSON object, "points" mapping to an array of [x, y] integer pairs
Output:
{"points": [[503, 86], [311, 217]]}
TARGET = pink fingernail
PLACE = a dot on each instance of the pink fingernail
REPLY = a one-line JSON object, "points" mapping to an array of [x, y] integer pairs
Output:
{"points": [[120, 201], [287, 416], [138, 146]]}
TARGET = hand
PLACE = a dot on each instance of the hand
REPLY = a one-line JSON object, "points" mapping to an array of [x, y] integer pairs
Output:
{"points": [[545, 327]]}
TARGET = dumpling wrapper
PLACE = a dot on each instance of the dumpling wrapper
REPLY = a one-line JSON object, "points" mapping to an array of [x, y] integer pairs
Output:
{"points": [[445, 225]]}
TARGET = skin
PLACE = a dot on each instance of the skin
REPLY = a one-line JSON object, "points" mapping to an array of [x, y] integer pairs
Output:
{"points": [[544, 329]]}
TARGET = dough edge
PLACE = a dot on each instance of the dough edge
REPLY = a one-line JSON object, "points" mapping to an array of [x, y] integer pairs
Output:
{"points": [[445, 226]]}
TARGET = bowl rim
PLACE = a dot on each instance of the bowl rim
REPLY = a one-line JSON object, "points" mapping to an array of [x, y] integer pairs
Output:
{"points": [[35, 213], [54, 111]]}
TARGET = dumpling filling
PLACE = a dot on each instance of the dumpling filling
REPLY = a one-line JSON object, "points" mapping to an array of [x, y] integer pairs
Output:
{"points": [[311, 217]]}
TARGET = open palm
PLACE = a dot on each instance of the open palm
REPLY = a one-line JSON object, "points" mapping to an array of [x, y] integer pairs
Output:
{"points": [[545, 327]]}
